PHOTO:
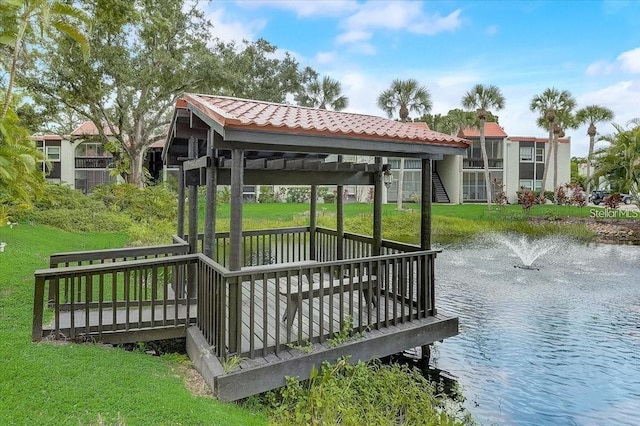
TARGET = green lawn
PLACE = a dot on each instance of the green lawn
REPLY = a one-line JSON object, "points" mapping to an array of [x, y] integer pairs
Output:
{"points": [[53, 384], [450, 223]]}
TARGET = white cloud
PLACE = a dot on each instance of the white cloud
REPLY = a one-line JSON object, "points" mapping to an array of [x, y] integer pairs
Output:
{"points": [[353, 36], [600, 68], [491, 30], [228, 28], [323, 58], [630, 61], [401, 15], [307, 8]]}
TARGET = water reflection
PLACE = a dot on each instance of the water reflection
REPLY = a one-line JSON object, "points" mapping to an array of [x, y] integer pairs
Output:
{"points": [[555, 346]]}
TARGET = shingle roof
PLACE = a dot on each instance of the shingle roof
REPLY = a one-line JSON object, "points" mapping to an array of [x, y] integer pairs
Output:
{"points": [[234, 113], [491, 130]]}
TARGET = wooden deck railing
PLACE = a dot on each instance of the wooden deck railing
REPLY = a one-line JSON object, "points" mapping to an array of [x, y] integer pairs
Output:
{"points": [[272, 246], [241, 312], [262, 308], [113, 297]]}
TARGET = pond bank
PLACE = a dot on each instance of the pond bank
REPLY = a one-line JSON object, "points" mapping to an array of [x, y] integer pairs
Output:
{"points": [[609, 231]]}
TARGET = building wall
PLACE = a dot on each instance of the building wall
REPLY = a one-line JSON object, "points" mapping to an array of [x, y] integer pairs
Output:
{"points": [[450, 171]]}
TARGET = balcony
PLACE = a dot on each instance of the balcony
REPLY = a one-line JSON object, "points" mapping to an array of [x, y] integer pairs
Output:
{"points": [[94, 162], [477, 163]]}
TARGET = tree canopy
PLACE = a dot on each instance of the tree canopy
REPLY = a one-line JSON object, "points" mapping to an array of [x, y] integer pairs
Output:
{"points": [[144, 55]]}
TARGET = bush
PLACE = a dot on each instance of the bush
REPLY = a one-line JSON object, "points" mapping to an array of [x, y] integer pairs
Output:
{"points": [[267, 195], [362, 394], [298, 194]]}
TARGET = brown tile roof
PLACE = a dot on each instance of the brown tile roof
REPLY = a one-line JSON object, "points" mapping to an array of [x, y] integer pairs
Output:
{"points": [[244, 114], [89, 128], [47, 138], [419, 124], [491, 130], [534, 139]]}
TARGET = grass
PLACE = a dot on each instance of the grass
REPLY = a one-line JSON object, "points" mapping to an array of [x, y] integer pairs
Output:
{"points": [[82, 384], [450, 223]]}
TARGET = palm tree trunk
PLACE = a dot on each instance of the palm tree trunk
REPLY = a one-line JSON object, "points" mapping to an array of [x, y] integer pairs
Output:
{"points": [[547, 162], [485, 162], [555, 161], [400, 183], [592, 142]]}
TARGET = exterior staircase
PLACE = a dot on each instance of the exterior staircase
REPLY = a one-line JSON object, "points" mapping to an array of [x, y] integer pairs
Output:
{"points": [[439, 193]]}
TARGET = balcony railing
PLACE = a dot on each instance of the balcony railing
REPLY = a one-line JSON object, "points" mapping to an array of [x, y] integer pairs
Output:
{"points": [[93, 162], [477, 163]]}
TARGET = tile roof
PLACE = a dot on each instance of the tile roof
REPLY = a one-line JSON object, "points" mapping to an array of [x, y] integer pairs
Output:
{"points": [[244, 114], [89, 128], [491, 130], [537, 140], [47, 138]]}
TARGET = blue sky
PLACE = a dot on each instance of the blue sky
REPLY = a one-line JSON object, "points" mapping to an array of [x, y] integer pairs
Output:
{"points": [[589, 47]]}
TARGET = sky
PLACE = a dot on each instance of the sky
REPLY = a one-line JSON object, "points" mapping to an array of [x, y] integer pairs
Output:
{"points": [[589, 47]]}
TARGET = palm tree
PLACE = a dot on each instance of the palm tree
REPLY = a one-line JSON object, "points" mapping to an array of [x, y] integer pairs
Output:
{"points": [[320, 94], [458, 119], [591, 115], [482, 98], [549, 104], [33, 18], [404, 96], [620, 161]]}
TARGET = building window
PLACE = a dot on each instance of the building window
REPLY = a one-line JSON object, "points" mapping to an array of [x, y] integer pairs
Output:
{"points": [[91, 149], [526, 184], [53, 153], [539, 155], [538, 185], [526, 154]]}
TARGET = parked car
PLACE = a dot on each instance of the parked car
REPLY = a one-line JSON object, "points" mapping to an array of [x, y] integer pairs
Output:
{"points": [[599, 196]]}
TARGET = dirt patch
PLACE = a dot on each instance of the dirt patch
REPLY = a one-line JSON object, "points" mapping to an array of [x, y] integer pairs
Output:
{"points": [[193, 381], [616, 231]]}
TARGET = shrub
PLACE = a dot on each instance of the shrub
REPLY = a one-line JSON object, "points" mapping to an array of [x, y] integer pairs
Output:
{"points": [[613, 201], [297, 194], [526, 198], [362, 394], [267, 195]]}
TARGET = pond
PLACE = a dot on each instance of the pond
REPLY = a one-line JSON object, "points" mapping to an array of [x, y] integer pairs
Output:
{"points": [[559, 345]]}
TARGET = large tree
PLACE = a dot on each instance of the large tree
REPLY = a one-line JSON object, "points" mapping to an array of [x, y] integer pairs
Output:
{"points": [[550, 104], [591, 115], [145, 54], [24, 24], [482, 99], [322, 94], [404, 96]]}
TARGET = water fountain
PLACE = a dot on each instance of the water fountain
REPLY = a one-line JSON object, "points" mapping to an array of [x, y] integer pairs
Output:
{"points": [[559, 346], [527, 250]]}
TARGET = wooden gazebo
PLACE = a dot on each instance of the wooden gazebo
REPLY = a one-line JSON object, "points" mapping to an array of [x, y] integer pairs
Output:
{"points": [[276, 301]]}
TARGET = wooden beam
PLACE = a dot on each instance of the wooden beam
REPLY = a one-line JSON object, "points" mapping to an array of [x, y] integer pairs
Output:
{"points": [[425, 214], [313, 222], [181, 203], [296, 164], [200, 163], [235, 248], [193, 216], [286, 177], [330, 166], [276, 164], [209, 243], [340, 217], [377, 211], [260, 163]]}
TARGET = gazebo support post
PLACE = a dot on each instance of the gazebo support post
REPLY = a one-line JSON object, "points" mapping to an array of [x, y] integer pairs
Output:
{"points": [[209, 244], [340, 218], [425, 244], [235, 247], [377, 211], [181, 204], [193, 219], [313, 221]]}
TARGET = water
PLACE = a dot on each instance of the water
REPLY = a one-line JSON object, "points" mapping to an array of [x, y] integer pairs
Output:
{"points": [[554, 346]]}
